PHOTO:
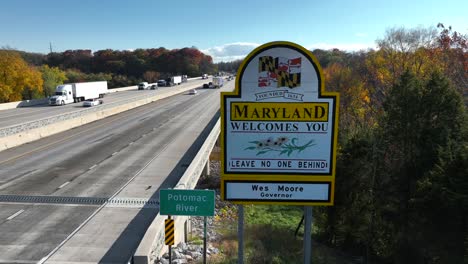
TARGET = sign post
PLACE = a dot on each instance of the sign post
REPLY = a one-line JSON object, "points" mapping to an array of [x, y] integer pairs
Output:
{"points": [[240, 234], [279, 130], [307, 234], [169, 234]]}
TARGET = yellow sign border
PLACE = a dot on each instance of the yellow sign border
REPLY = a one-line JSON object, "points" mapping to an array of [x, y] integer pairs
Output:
{"points": [[277, 178]]}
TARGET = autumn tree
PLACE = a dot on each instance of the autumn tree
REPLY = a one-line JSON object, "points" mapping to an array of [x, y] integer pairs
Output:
{"points": [[34, 59], [452, 52], [151, 76], [133, 64], [230, 66], [52, 77], [71, 59], [328, 57], [74, 75], [399, 51], [354, 96], [122, 81], [18, 80]]}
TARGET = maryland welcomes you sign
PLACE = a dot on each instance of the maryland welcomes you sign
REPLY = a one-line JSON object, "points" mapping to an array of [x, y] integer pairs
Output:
{"points": [[279, 130]]}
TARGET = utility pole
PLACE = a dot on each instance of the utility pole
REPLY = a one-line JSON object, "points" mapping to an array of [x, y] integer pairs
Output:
{"points": [[50, 47]]}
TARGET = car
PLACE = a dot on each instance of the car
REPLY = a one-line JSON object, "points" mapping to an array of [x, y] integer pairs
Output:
{"points": [[162, 83], [154, 87], [143, 86], [204, 76], [193, 91], [205, 85], [92, 102]]}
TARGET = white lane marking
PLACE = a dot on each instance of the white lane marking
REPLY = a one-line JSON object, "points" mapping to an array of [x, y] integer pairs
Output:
{"points": [[15, 214], [44, 259], [92, 167], [63, 185]]}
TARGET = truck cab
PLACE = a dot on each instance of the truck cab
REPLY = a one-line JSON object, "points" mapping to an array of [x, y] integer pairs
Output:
{"points": [[63, 95]]}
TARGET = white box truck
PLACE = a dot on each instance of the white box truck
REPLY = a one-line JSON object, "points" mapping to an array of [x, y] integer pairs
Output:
{"points": [[176, 80], [77, 92], [218, 82]]}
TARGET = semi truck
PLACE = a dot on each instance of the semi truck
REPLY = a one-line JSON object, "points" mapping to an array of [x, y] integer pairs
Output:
{"points": [[77, 92]]}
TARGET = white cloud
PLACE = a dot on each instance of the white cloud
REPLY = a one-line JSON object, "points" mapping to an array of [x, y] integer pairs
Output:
{"points": [[342, 46], [231, 51], [239, 50]]}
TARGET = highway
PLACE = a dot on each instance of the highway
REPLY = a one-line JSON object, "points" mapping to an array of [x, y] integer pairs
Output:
{"points": [[26, 114], [52, 190]]}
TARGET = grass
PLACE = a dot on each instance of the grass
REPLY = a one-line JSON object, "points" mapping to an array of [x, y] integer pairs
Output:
{"points": [[269, 237], [276, 216]]}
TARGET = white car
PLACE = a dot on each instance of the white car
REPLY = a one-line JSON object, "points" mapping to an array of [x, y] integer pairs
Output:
{"points": [[143, 86], [92, 102], [193, 91]]}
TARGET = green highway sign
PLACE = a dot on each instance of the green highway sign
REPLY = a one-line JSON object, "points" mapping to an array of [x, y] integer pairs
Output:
{"points": [[187, 202]]}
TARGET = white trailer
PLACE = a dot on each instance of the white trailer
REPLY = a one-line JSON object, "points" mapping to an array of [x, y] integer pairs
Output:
{"points": [[218, 82], [77, 92], [176, 80]]}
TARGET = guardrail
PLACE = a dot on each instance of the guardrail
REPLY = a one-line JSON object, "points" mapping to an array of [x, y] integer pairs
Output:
{"points": [[152, 244]]}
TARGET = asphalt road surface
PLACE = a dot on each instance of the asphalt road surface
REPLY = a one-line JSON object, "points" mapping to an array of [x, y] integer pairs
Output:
{"points": [[15, 116], [52, 190]]}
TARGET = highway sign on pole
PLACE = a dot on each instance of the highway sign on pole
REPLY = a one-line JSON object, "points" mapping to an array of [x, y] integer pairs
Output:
{"points": [[279, 130], [187, 202]]}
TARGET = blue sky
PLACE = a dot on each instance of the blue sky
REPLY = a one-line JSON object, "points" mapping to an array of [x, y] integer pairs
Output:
{"points": [[224, 29]]}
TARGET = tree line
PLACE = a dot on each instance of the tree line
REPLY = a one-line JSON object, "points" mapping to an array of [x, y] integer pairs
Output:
{"points": [[401, 193], [25, 75]]}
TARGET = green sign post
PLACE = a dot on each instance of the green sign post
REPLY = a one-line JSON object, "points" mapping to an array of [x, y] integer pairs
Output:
{"points": [[187, 202]]}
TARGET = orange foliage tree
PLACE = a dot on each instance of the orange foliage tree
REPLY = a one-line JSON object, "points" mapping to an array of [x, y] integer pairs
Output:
{"points": [[354, 96], [18, 80]]}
